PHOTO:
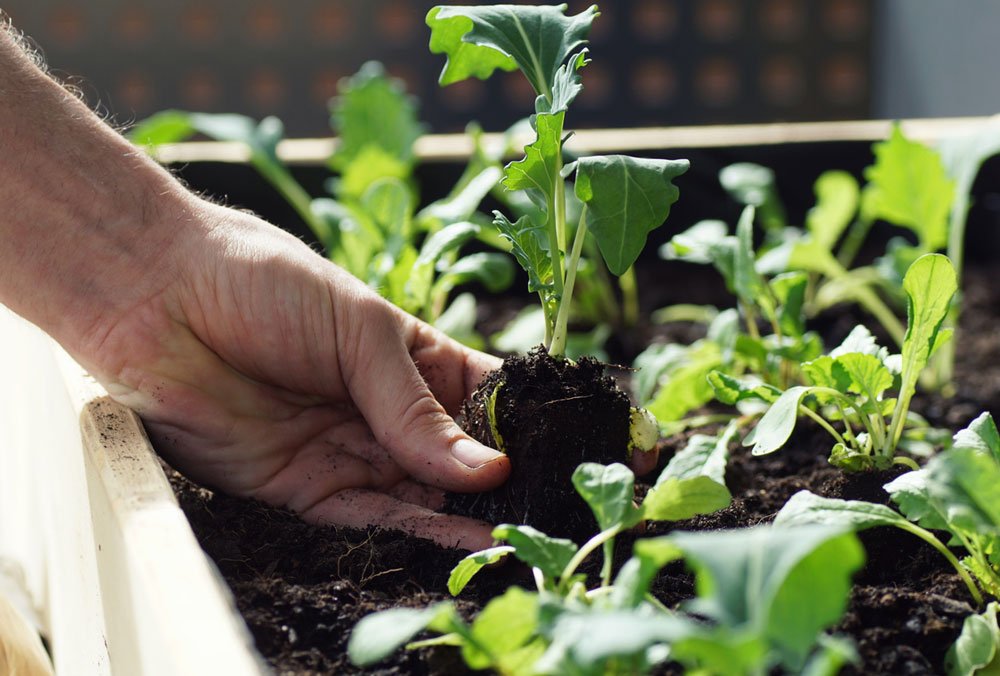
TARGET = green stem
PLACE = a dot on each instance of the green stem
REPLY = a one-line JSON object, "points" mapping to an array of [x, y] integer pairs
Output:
{"points": [[586, 550], [855, 237], [822, 423], [630, 297], [929, 538], [886, 317], [283, 181], [905, 462], [558, 344]]}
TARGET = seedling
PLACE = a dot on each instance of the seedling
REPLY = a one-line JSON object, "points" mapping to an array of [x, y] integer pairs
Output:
{"points": [[370, 224], [564, 627], [851, 384], [623, 197]]}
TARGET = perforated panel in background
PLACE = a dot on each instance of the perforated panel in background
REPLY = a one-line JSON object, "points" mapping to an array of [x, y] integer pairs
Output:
{"points": [[655, 62]]}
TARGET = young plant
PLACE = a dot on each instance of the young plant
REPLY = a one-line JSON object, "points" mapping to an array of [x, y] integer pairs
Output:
{"points": [[370, 225], [623, 198], [618, 627], [977, 649], [957, 492], [851, 385]]}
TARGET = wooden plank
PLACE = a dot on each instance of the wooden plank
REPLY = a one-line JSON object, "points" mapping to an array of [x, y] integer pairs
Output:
{"points": [[452, 147]]}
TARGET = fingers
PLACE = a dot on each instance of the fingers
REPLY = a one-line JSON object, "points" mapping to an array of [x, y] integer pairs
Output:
{"points": [[360, 508], [405, 417]]}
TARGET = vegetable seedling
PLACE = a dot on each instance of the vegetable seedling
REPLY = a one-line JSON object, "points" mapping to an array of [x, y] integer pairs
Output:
{"points": [[623, 198]]}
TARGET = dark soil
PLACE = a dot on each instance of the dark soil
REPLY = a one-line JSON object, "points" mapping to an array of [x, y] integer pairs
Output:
{"points": [[302, 588], [551, 416]]}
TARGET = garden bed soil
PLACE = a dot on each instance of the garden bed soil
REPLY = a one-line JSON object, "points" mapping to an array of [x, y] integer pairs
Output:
{"points": [[302, 588]]}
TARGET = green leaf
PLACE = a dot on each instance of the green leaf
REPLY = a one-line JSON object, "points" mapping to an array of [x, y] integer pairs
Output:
{"points": [[981, 435], [730, 390], [869, 377], [538, 172], [676, 499], [495, 271], [168, 126], [504, 626], [911, 188], [459, 322], [463, 201], [529, 245], [550, 555], [467, 568], [860, 340], [789, 290], [826, 371], [376, 636], [805, 508], [755, 580], [753, 185], [837, 199], [608, 491], [626, 198], [478, 40], [449, 238], [703, 455], [371, 165], [705, 242], [776, 425], [977, 649], [686, 386], [649, 556], [373, 110]]}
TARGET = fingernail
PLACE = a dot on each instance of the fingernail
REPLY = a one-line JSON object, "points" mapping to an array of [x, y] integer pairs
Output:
{"points": [[472, 453]]}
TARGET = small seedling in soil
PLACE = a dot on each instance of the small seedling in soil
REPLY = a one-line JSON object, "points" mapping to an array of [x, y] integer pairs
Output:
{"points": [[547, 413], [564, 626]]}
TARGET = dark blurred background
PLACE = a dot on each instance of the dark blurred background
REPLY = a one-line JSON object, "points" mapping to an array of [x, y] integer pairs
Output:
{"points": [[656, 62]]}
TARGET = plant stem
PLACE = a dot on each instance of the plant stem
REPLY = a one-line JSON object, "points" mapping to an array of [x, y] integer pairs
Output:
{"points": [[283, 181], [558, 345], [587, 549], [630, 297], [822, 423], [870, 301], [929, 538], [856, 235]]}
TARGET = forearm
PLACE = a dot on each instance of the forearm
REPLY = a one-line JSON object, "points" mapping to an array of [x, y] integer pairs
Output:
{"points": [[78, 206]]}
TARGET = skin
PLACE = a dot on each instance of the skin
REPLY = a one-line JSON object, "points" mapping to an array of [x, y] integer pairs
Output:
{"points": [[258, 367]]}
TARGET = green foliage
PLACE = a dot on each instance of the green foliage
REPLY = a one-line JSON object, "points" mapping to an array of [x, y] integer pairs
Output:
{"points": [[622, 198], [977, 649], [850, 385], [370, 224]]}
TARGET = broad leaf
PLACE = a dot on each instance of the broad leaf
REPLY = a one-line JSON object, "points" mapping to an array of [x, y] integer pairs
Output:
{"points": [[860, 340], [649, 556], [685, 387], [467, 568], [447, 239], [677, 499], [789, 290], [504, 626], [776, 425], [495, 271], [805, 508], [981, 435], [705, 242], [756, 579], [626, 198], [478, 40], [703, 455], [462, 202], [911, 188], [609, 491], [977, 649], [550, 555], [869, 377], [730, 390], [373, 109], [837, 198], [376, 636]]}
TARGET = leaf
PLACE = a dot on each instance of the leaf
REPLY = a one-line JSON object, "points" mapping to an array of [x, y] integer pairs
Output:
{"points": [[703, 455], [911, 188], [749, 284], [686, 387], [678, 499], [377, 635], [826, 371], [447, 239], [860, 340], [458, 321], [463, 201], [372, 110], [626, 198], [753, 185], [478, 40], [633, 581], [982, 436], [495, 271], [789, 290], [653, 363], [529, 245], [705, 242], [550, 555], [371, 165], [977, 649], [730, 390], [755, 580], [467, 568], [167, 126], [776, 425], [538, 172], [805, 508], [837, 199], [608, 491], [930, 284], [504, 626], [869, 377]]}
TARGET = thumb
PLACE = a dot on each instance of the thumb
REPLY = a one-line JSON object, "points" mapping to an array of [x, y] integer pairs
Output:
{"points": [[414, 427]]}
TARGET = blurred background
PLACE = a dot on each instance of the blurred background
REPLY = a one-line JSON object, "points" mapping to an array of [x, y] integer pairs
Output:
{"points": [[658, 62]]}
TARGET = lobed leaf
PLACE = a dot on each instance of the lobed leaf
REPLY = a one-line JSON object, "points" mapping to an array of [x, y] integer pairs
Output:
{"points": [[478, 40], [626, 198], [538, 172], [730, 390], [837, 200], [529, 245]]}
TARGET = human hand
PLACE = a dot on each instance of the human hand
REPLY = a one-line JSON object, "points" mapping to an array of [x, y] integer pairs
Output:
{"points": [[265, 371]]}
